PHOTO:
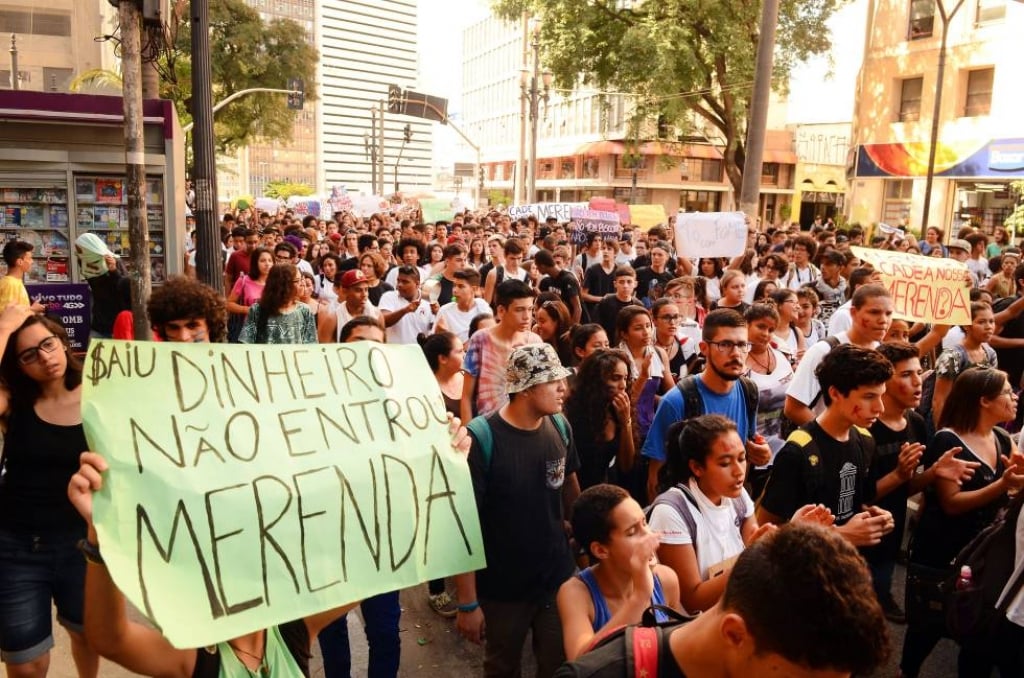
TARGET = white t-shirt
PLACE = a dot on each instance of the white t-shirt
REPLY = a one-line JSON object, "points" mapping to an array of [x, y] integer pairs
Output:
{"points": [[805, 387], [753, 280], [953, 338], [456, 321], [410, 325], [718, 537], [341, 313], [304, 267], [392, 277], [771, 400], [841, 320]]}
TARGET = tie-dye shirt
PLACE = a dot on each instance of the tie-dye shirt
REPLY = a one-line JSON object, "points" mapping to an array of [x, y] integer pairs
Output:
{"points": [[486, 360]]}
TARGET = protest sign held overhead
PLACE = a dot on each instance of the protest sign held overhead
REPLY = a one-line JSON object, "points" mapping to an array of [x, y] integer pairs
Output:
{"points": [[542, 210], [437, 209], [252, 485], [711, 234], [645, 217], [923, 288], [593, 221]]}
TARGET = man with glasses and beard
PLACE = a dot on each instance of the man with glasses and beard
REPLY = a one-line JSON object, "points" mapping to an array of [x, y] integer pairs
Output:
{"points": [[721, 389]]}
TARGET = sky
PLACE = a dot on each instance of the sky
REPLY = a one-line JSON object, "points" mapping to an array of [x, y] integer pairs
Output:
{"points": [[816, 95]]}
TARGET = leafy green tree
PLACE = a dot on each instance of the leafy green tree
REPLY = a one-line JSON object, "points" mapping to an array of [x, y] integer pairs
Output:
{"points": [[246, 52], [682, 58], [286, 189]]}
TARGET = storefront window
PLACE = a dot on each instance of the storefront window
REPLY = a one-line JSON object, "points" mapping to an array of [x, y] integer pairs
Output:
{"points": [[38, 216], [896, 206]]}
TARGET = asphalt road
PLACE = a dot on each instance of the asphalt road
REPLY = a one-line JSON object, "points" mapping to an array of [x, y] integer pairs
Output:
{"points": [[431, 648]]}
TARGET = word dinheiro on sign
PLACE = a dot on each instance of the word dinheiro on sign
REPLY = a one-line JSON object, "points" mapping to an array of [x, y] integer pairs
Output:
{"points": [[276, 482]]}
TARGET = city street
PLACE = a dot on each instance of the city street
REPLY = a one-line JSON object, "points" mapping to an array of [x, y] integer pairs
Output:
{"points": [[432, 648]]}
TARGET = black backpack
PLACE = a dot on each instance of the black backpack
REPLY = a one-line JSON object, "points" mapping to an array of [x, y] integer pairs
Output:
{"points": [[693, 404], [974, 613], [630, 651]]}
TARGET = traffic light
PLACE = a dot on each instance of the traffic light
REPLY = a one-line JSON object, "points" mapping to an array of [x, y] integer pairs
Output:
{"points": [[394, 99], [296, 93], [407, 133]]}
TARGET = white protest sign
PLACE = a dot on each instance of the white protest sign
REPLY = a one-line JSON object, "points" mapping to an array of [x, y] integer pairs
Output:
{"points": [[366, 205], [711, 234], [560, 210]]}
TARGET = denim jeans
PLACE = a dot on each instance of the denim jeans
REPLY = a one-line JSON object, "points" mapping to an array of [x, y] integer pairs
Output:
{"points": [[380, 616], [36, 572]]}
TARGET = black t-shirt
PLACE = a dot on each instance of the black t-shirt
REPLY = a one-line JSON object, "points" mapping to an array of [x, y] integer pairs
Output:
{"points": [[519, 500], [565, 283], [598, 282], [646, 276], [484, 270], [447, 291], [842, 473], [608, 311], [884, 462], [1011, 360], [939, 536]]}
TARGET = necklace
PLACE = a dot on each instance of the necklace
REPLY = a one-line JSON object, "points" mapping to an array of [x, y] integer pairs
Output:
{"points": [[767, 367]]}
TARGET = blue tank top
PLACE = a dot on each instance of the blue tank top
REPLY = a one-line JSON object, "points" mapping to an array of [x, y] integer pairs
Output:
{"points": [[601, 613]]}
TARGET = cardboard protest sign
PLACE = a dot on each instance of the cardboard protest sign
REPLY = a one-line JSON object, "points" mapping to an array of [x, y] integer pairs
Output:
{"points": [[610, 205], [252, 485], [711, 234], [542, 210], [923, 288], [436, 209], [593, 221], [367, 205], [644, 217]]}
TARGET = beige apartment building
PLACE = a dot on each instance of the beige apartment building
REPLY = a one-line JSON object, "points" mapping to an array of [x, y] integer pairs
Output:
{"points": [[980, 146], [55, 41]]}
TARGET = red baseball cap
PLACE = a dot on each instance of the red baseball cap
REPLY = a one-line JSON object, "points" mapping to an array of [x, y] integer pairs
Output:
{"points": [[335, 236], [351, 278]]}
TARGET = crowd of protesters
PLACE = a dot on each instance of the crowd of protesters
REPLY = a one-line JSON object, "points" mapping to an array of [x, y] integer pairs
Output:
{"points": [[641, 426]]}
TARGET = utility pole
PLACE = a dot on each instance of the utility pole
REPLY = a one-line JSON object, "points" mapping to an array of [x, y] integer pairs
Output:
{"points": [[940, 75], [209, 260], [130, 20], [373, 151], [519, 195], [750, 189], [380, 147], [15, 80]]}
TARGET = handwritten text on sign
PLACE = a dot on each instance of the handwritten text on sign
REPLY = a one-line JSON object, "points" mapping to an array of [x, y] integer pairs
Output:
{"points": [[249, 486], [542, 210], [586, 221], [923, 288], [711, 234]]}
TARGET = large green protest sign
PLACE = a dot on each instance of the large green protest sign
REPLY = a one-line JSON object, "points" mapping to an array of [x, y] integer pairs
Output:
{"points": [[250, 486]]}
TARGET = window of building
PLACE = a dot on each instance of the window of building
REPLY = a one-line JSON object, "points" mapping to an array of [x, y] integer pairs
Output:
{"points": [[700, 201], [979, 92], [770, 173], [922, 19], [35, 23], [896, 205], [910, 99], [990, 11], [701, 169], [57, 79]]}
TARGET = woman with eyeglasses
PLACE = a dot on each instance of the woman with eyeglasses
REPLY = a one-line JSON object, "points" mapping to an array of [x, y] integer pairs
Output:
{"points": [[956, 512], [279, 317], [787, 338], [667, 319], [40, 564]]}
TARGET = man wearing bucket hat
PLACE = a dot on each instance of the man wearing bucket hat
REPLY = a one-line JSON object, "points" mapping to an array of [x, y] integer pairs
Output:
{"points": [[523, 462]]}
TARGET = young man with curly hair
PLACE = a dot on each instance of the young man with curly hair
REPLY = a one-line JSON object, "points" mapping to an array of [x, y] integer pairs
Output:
{"points": [[184, 309]]}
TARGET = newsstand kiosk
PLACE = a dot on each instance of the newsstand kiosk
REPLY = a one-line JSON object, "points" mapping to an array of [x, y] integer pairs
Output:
{"points": [[62, 174]]}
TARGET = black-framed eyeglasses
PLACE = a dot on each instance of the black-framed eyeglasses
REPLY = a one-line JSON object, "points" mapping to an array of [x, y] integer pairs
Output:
{"points": [[730, 346], [670, 318], [47, 345]]}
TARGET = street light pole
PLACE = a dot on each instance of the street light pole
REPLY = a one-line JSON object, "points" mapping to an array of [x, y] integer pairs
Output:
{"points": [[531, 87], [209, 260], [750, 188], [940, 73]]}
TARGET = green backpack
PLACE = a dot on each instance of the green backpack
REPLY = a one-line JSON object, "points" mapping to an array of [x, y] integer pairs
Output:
{"points": [[480, 427]]}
